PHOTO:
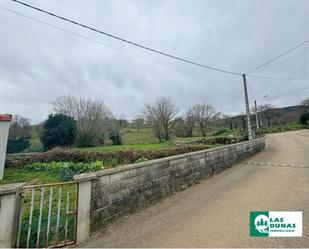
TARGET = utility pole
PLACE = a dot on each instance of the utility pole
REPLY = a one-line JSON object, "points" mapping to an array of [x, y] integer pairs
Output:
{"points": [[260, 117], [256, 116], [250, 137]]}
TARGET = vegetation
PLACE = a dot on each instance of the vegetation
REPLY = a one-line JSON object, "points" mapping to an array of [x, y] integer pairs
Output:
{"points": [[107, 142], [160, 114], [19, 127], [305, 103], [58, 130], [94, 120], [131, 147], [68, 192], [98, 129], [19, 134], [65, 170], [17, 145], [292, 126], [203, 114], [304, 118], [109, 159], [12, 175], [269, 112], [35, 142]]}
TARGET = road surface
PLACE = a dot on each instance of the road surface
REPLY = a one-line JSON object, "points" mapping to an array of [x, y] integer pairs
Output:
{"points": [[215, 213]]}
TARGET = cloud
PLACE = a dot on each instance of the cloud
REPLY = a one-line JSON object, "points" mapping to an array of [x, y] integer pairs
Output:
{"points": [[39, 63]]}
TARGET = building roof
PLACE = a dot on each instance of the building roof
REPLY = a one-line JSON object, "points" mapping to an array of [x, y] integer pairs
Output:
{"points": [[5, 117]]}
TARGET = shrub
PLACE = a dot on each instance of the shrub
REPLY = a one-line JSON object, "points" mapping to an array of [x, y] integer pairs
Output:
{"points": [[58, 130], [304, 118], [111, 158], [66, 170], [17, 145], [216, 140], [220, 132], [115, 137]]}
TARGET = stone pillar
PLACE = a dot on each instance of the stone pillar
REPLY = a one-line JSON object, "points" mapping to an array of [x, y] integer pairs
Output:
{"points": [[10, 207], [4, 130], [83, 208]]}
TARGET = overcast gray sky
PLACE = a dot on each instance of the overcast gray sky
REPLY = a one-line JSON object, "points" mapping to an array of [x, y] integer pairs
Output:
{"points": [[39, 63]]}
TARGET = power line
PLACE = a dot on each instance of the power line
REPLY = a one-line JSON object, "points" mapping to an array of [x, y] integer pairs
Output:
{"points": [[157, 51], [101, 43], [287, 93], [125, 40], [277, 57], [277, 78]]}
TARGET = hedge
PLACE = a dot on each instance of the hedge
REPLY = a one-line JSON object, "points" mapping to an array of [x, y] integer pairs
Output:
{"points": [[108, 158]]}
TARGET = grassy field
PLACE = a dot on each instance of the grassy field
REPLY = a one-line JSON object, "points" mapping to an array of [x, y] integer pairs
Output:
{"points": [[292, 126], [132, 136], [145, 140], [35, 143], [132, 140], [124, 147], [31, 177]]}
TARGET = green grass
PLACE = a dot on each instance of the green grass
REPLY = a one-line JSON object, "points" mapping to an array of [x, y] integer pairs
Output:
{"points": [[35, 143], [42, 177], [67, 190], [34, 177], [145, 139], [132, 136], [133, 140], [292, 126], [125, 147]]}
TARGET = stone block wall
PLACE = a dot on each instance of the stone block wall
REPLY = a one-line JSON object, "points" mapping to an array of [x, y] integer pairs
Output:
{"points": [[124, 189]]}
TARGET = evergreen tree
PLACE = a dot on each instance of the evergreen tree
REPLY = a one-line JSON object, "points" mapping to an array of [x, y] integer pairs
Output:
{"points": [[58, 130]]}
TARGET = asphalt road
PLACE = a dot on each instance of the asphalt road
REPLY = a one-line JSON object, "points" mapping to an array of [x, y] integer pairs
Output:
{"points": [[215, 213]]}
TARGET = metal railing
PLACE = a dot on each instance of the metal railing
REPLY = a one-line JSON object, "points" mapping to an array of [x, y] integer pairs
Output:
{"points": [[48, 216]]}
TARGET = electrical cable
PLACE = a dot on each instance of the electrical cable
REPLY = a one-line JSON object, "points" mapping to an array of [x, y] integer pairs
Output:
{"points": [[125, 40], [277, 57]]}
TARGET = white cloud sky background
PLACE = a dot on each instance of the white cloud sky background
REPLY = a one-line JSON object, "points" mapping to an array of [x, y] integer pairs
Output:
{"points": [[39, 63]]}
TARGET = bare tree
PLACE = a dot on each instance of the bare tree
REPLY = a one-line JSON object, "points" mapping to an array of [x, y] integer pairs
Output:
{"points": [[268, 112], [203, 114], [179, 127], [218, 121], [91, 115], [139, 122], [228, 121], [189, 124], [305, 104], [19, 127], [160, 114]]}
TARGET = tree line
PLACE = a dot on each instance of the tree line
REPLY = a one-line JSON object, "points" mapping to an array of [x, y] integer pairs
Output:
{"points": [[86, 122]]}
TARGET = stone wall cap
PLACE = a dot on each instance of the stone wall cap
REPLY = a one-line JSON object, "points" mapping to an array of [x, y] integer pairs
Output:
{"points": [[84, 177], [11, 188], [93, 175], [5, 117]]}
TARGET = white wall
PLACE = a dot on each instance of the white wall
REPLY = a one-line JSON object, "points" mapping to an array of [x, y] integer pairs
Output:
{"points": [[4, 129]]}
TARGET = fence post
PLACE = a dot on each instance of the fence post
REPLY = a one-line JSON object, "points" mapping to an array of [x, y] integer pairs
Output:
{"points": [[10, 207], [83, 209]]}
